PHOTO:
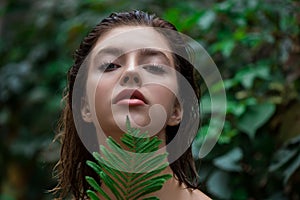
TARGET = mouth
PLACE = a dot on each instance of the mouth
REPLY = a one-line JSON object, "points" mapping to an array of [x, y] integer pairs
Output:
{"points": [[130, 97]]}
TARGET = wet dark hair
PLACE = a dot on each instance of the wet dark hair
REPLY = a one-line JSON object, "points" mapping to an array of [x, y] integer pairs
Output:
{"points": [[71, 168]]}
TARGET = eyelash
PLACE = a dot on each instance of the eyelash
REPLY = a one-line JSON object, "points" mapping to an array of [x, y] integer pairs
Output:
{"points": [[154, 68], [106, 67]]}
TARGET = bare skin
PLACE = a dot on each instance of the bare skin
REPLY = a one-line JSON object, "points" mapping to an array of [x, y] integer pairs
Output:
{"points": [[173, 190]]}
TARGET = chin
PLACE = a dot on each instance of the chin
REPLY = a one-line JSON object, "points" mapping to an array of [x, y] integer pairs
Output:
{"points": [[139, 119], [117, 123]]}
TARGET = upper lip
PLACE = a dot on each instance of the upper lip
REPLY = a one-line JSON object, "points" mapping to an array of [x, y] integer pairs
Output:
{"points": [[130, 94]]}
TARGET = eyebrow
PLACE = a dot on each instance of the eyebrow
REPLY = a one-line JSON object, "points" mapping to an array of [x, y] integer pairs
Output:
{"points": [[111, 51], [142, 52], [154, 52]]}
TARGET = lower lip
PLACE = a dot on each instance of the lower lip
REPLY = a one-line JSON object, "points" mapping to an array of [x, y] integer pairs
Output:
{"points": [[131, 102]]}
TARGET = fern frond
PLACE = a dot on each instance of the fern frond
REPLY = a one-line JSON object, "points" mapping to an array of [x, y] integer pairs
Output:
{"points": [[92, 195], [96, 186], [129, 174], [148, 182], [138, 177], [151, 198]]}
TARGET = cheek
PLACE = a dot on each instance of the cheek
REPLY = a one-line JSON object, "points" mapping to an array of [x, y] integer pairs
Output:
{"points": [[99, 95], [164, 97], [103, 95]]}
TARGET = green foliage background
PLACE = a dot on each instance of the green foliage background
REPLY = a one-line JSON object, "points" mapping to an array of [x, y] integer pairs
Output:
{"points": [[255, 44]]}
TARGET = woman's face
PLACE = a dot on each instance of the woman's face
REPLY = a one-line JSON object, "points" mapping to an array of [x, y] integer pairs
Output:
{"points": [[131, 73]]}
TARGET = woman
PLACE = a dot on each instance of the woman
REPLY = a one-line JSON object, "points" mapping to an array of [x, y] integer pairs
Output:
{"points": [[126, 67]]}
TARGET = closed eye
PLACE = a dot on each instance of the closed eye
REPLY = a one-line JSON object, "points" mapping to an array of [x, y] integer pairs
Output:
{"points": [[155, 69], [108, 67]]}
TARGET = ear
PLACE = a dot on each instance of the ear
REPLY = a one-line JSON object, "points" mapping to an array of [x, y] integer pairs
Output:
{"points": [[176, 116], [85, 111]]}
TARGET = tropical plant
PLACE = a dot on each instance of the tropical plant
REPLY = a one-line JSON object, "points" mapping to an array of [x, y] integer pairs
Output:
{"points": [[131, 173]]}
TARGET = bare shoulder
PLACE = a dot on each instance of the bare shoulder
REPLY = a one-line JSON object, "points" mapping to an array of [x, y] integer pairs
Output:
{"points": [[198, 195]]}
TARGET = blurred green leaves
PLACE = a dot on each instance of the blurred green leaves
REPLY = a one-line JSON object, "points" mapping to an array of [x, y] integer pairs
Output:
{"points": [[218, 185], [287, 159], [229, 161], [251, 42], [254, 117]]}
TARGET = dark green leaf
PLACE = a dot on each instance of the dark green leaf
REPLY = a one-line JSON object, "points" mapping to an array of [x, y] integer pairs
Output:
{"points": [[218, 185], [254, 117], [295, 165], [229, 161], [93, 183], [92, 195]]}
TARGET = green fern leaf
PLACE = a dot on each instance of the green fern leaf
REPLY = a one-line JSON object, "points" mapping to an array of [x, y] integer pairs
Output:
{"points": [[92, 195], [151, 198], [138, 177], [129, 174], [93, 183]]}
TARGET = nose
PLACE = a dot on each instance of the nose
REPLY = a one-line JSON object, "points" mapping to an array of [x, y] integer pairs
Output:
{"points": [[131, 78]]}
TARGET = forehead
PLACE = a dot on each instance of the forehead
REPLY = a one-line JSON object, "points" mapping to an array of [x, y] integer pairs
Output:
{"points": [[132, 38]]}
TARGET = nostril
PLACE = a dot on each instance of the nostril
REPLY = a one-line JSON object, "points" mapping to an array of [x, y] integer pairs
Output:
{"points": [[131, 79], [126, 79], [136, 79]]}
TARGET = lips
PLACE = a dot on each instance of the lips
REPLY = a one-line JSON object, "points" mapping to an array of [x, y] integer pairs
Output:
{"points": [[130, 97]]}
